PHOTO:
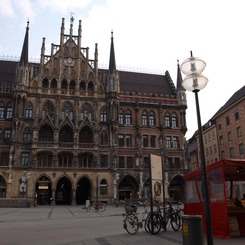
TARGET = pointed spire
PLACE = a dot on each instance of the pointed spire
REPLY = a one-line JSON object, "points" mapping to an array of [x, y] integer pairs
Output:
{"points": [[112, 64], [179, 78], [24, 53]]}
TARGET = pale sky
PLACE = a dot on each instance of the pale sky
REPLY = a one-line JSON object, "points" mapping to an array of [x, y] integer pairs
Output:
{"points": [[149, 36]]}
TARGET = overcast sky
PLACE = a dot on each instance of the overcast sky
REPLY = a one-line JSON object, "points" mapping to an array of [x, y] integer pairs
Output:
{"points": [[149, 36]]}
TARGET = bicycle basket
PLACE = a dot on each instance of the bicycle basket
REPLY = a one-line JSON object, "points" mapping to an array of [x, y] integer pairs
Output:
{"points": [[130, 209]]}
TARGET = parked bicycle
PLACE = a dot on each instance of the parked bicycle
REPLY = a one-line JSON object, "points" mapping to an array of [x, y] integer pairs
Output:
{"points": [[134, 220], [161, 217], [97, 206]]}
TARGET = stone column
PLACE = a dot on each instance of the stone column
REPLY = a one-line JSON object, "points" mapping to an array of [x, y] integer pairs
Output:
{"points": [[74, 203]]}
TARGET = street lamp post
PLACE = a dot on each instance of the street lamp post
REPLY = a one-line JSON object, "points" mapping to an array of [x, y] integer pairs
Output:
{"points": [[194, 82]]}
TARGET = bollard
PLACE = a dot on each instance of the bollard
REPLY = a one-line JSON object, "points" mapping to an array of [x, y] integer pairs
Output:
{"points": [[192, 230]]}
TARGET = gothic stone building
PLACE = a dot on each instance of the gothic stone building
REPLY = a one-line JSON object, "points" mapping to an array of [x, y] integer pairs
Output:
{"points": [[71, 132]]}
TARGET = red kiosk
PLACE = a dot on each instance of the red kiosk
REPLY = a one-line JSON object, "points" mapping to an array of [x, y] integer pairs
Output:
{"points": [[226, 181]]}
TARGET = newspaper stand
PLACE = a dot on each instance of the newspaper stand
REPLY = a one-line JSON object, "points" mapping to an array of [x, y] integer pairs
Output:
{"points": [[226, 181]]}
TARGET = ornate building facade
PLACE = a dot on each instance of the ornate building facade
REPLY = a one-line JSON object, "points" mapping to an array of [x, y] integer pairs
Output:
{"points": [[71, 132]]}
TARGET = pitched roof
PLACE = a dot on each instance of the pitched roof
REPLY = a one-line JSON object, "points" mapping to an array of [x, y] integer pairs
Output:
{"points": [[7, 71], [145, 83], [233, 99]]}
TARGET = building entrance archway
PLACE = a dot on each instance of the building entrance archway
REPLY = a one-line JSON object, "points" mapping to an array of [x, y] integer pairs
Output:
{"points": [[83, 191], [176, 188], [63, 195], [128, 188], [2, 188], [43, 193]]}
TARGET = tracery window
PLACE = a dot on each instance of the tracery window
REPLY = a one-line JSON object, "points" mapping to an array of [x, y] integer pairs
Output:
{"points": [[128, 117], [45, 83], [86, 135], [103, 138], [45, 134], [86, 112], [67, 110], [90, 86], [48, 109], [66, 134], [64, 84], [72, 85], [29, 110], [27, 135], [82, 86], [54, 83], [144, 118], [103, 114]]}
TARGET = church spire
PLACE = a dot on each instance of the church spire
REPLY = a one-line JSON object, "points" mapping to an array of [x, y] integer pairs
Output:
{"points": [[24, 53], [112, 64]]}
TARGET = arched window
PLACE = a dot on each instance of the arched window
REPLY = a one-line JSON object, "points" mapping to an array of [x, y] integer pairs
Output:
{"points": [[29, 110], [128, 117], [9, 110], [103, 138], [152, 120], [72, 85], [167, 120], [121, 117], [1, 110], [67, 110], [27, 135], [82, 86], [45, 134], [66, 134], [64, 84], [90, 86], [174, 120], [86, 112], [103, 187], [48, 109], [144, 118], [54, 84], [86, 135], [103, 114], [45, 83]]}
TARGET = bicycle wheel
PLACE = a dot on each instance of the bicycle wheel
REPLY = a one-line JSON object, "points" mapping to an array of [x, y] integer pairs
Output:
{"points": [[89, 208], [175, 221], [131, 223], [146, 222], [102, 207], [154, 223]]}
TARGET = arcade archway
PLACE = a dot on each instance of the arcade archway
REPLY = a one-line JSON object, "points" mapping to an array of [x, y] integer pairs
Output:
{"points": [[128, 188], [2, 188], [83, 191], [43, 191], [63, 195], [176, 188]]}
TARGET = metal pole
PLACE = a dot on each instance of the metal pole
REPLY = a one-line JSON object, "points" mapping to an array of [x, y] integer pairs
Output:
{"points": [[204, 177]]}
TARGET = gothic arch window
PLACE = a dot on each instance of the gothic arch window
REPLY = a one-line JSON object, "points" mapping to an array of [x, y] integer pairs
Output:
{"points": [[82, 86], [152, 119], [67, 110], [2, 110], [72, 85], [144, 118], [45, 83], [86, 135], [103, 138], [44, 159], [29, 110], [128, 117], [66, 134], [64, 84], [54, 83], [167, 120], [48, 109], [27, 135], [9, 110], [90, 87], [121, 117], [174, 120], [86, 112], [45, 134], [85, 160], [103, 114]]}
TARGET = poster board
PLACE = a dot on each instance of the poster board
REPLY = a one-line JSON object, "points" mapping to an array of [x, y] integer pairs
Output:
{"points": [[157, 187]]}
